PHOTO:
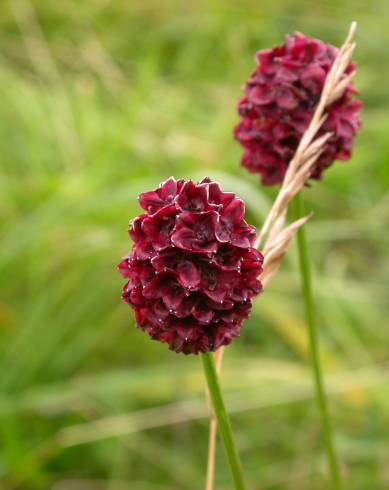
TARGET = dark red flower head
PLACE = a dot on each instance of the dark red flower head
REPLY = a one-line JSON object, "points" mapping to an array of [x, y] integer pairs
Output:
{"points": [[280, 99], [193, 271]]}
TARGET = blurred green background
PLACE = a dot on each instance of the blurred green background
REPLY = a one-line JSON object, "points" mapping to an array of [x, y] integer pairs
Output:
{"points": [[103, 99]]}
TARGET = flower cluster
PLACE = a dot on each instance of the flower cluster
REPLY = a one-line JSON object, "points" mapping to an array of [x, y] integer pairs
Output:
{"points": [[193, 271], [281, 96]]}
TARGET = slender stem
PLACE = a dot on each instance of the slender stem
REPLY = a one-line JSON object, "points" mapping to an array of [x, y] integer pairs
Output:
{"points": [[210, 479], [223, 420], [306, 283]]}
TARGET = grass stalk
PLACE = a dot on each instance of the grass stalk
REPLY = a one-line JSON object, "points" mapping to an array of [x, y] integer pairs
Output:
{"points": [[306, 284], [210, 479], [223, 420]]}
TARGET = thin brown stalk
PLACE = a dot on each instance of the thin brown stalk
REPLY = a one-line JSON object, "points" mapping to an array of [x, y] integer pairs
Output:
{"points": [[209, 484], [274, 238]]}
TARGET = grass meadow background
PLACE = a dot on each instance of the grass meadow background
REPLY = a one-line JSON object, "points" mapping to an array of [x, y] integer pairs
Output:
{"points": [[101, 100]]}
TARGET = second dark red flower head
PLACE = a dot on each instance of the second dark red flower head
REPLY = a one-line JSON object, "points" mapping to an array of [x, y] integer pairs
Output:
{"points": [[280, 99]]}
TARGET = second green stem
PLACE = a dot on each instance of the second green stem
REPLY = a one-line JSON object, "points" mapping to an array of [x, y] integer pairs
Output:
{"points": [[306, 283]]}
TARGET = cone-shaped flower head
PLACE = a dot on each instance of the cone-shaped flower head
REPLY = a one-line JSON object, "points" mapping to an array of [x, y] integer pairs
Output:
{"points": [[281, 96], [192, 271]]}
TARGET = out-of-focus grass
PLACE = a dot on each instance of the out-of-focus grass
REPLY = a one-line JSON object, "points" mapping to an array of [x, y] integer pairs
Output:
{"points": [[101, 100]]}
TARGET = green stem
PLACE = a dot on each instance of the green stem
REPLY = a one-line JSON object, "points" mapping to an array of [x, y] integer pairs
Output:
{"points": [[306, 283], [223, 420]]}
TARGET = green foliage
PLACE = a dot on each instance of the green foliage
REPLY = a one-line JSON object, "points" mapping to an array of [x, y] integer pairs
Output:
{"points": [[101, 100]]}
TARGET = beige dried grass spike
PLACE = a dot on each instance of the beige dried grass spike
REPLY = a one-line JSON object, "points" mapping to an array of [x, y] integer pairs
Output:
{"points": [[277, 246], [309, 149]]}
